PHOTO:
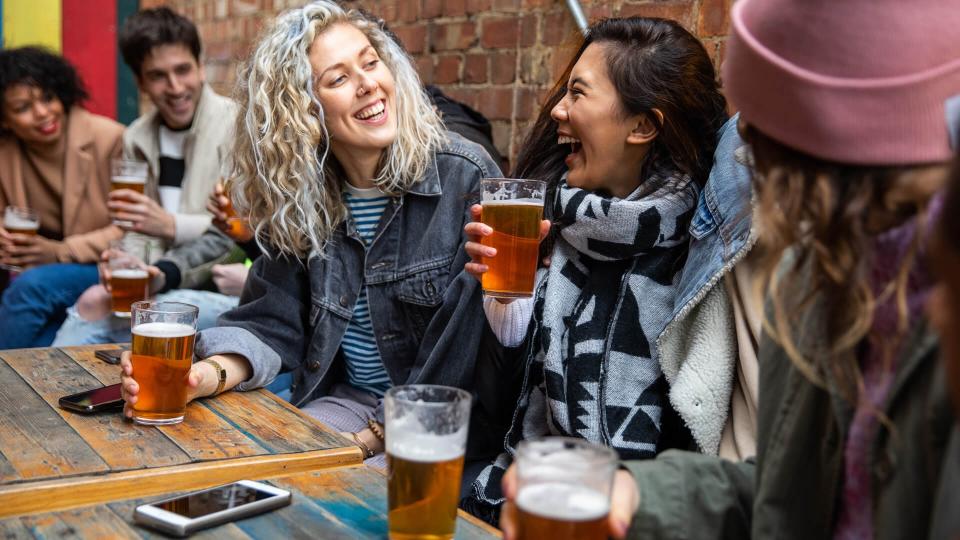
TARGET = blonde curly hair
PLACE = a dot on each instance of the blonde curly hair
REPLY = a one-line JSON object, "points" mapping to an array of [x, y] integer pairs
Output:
{"points": [[283, 177]]}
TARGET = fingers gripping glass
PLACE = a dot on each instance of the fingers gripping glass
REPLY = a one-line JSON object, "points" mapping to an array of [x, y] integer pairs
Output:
{"points": [[513, 209]]}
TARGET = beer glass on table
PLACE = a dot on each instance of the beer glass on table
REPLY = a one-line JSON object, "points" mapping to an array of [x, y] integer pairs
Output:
{"points": [[161, 354], [513, 209], [20, 220], [129, 280], [128, 174], [563, 489], [426, 437]]}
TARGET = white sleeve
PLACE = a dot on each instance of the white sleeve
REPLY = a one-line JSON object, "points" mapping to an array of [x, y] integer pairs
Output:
{"points": [[509, 322]]}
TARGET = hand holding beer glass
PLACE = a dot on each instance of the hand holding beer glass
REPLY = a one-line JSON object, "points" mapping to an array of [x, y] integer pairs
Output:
{"points": [[563, 489], [128, 277], [510, 231], [225, 216], [161, 358], [18, 220], [426, 437]]}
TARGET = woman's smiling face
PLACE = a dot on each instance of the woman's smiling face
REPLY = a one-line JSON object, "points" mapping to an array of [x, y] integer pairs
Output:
{"points": [[590, 119], [356, 90]]}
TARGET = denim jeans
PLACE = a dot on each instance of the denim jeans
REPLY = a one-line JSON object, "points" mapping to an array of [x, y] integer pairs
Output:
{"points": [[78, 331], [35, 304]]}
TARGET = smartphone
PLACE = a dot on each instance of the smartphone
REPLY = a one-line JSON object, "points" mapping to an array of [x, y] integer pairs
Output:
{"points": [[186, 514], [110, 356], [106, 398]]}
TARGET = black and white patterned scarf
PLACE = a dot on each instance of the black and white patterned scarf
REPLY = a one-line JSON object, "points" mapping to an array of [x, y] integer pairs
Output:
{"points": [[607, 294]]}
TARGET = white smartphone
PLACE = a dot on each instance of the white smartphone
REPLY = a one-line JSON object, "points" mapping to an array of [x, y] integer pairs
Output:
{"points": [[186, 514]]}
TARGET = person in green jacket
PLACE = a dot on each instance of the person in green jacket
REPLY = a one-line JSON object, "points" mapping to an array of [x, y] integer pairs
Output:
{"points": [[849, 134]]}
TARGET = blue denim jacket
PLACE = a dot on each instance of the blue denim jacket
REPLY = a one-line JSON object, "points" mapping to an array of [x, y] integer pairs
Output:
{"points": [[426, 311], [694, 348]]}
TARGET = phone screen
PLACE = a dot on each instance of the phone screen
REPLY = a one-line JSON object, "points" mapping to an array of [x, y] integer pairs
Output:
{"points": [[213, 500], [96, 397]]}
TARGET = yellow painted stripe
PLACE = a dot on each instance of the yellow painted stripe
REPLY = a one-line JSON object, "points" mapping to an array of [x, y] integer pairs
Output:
{"points": [[32, 22]]}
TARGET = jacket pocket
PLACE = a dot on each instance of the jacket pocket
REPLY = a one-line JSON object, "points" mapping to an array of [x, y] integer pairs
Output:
{"points": [[420, 295]]}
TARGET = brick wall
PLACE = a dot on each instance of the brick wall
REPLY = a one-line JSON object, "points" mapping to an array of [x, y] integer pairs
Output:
{"points": [[498, 56]]}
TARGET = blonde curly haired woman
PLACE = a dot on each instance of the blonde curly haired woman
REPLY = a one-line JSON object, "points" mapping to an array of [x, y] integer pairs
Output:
{"points": [[358, 198]]}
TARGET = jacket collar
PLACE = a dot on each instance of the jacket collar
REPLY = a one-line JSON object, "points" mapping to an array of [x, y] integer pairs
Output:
{"points": [[429, 186]]}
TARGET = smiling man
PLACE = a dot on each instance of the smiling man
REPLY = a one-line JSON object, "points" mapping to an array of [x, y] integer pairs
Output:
{"points": [[182, 139]]}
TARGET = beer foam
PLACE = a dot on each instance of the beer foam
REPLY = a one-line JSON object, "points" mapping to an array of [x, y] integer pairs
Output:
{"points": [[163, 330], [513, 202], [14, 221], [426, 447], [130, 273], [566, 502], [128, 179]]}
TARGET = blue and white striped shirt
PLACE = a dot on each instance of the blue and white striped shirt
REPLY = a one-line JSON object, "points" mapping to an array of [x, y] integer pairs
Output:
{"points": [[364, 366]]}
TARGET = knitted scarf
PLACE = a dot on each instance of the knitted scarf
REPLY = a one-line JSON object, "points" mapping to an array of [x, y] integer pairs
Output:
{"points": [[607, 294]]}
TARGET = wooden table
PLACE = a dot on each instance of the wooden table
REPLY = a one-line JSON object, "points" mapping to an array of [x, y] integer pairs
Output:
{"points": [[51, 459], [348, 503]]}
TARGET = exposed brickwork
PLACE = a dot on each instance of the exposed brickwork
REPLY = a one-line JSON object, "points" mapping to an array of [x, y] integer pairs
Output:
{"points": [[498, 56]]}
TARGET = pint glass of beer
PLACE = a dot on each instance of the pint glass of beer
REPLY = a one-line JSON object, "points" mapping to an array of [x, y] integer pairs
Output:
{"points": [[129, 280], [162, 353], [426, 436], [20, 220], [563, 489], [513, 209], [127, 174]]}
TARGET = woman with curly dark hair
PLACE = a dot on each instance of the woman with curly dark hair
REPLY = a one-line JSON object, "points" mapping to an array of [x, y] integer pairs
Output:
{"points": [[55, 160]]}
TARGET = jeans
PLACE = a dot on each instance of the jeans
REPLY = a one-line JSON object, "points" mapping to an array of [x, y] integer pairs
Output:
{"points": [[78, 331], [35, 304]]}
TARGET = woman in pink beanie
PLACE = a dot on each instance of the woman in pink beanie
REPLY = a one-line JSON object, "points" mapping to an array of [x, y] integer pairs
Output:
{"points": [[846, 107]]}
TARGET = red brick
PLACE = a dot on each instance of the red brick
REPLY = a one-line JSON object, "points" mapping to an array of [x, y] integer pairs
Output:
{"points": [[454, 8], [463, 95], [431, 9], [447, 69], [714, 18], [504, 67], [454, 36], [387, 10], [476, 6], [681, 12], [534, 67], [408, 11], [528, 103], [413, 37], [496, 103], [425, 69], [528, 30], [557, 28], [506, 5], [534, 4], [499, 33], [595, 13], [475, 69]]}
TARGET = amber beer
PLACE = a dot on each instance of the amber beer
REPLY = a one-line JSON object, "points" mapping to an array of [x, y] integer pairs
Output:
{"points": [[426, 438], [516, 237], [128, 182], [127, 285], [559, 511], [20, 221], [162, 353], [423, 490]]}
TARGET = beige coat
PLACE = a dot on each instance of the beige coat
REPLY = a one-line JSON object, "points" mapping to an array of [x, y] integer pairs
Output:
{"points": [[92, 140]]}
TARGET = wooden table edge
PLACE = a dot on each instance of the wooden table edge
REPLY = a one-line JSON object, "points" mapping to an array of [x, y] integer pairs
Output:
{"points": [[66, 493]]}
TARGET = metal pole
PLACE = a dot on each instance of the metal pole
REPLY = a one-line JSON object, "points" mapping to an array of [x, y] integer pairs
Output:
{"points": [[577, 11]]}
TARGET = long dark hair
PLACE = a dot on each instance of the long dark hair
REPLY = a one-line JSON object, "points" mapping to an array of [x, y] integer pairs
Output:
{"points": [[654, 64]]}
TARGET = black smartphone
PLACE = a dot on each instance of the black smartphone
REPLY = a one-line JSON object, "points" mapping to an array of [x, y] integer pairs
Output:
{"points": [[110, 356], [106, 398], [186, 514]]}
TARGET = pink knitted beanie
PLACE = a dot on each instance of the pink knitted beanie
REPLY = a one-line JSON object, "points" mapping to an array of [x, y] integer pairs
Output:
{"points": [[854, 81]]}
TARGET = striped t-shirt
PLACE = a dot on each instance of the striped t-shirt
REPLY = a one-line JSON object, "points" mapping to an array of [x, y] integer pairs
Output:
{"points": [[364, 366]]}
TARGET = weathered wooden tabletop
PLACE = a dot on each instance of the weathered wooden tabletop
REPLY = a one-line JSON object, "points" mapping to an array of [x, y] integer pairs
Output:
{"points": [[52, 459], [348, 503]]}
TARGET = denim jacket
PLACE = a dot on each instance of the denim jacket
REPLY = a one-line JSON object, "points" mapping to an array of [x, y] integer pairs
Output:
{"points": [[698, 347], [426, 311]]}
